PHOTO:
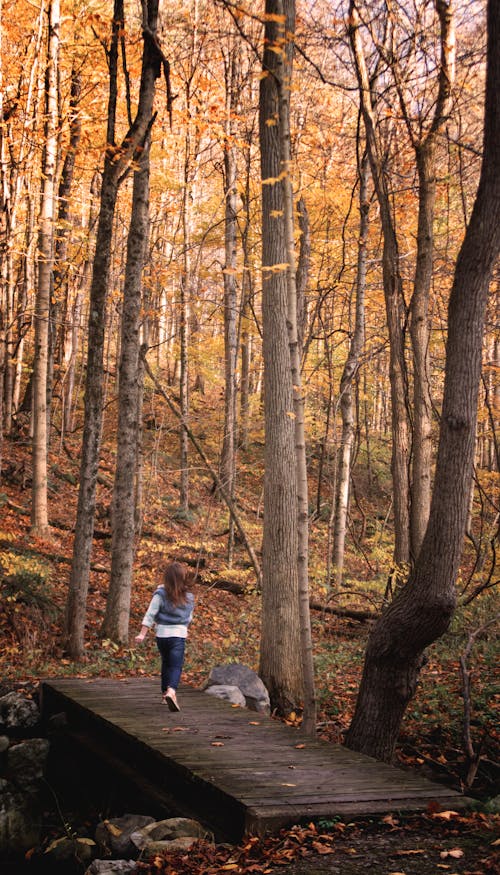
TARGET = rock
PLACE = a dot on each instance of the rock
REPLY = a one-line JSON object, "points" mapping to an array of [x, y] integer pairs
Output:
{"points": [[4, 743], [70, 854], [492, 806], [113, 835], [26, 761], [250, 684], [20, 821], [153, 848], [111, 867], [18, 712], [165, 835], [229, 693]]}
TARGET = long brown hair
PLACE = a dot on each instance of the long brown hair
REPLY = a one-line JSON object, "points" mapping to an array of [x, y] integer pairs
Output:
{"points": [[176, 580]]}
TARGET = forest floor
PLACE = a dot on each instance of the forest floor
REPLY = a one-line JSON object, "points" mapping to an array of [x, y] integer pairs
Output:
{"points": [[34, 576], [428, 844]]}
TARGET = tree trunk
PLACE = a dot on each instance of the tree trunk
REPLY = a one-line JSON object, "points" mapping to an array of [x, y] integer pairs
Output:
{"points": [[280, 663], [228, 454], [395, 308], [117, 161], [39, 510], [347, 401], [420, 331], [116, 618], [71, 352], [59, 302], [423, 608]]}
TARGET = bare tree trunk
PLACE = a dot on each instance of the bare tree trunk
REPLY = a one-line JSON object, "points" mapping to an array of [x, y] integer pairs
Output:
{"points": [[280, 663], [116, 618], [395, 308], [71, 353], [347, 405], [284, 85], [228, 454], [246, 295], [186, 286], [59, 302], [117, 162], [422, 610], [39, 509], [419, 306]]}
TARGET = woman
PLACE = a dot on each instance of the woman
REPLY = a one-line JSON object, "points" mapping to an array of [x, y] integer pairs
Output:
{"points": [[171, 609]]}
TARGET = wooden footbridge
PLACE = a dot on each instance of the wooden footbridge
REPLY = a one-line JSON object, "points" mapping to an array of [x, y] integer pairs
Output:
{"points": [[237, 771]]}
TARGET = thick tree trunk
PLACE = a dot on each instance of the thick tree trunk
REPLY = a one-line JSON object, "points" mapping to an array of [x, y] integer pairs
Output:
{"points": [[39, 510], [423, 608], [280, 663], [306, 647]]}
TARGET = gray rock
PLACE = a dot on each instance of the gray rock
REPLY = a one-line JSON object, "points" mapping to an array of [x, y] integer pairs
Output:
{"points": [[18, 712], [113, 835], [229, 693], [26, 761], [164, 835], [4, 743], [111, 867], [250, 684], [20, 820]]}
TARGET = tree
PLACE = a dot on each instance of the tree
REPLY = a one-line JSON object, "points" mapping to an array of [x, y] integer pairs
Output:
{"points": [[423, 608], [39, 509], [116, 164], [280, 664], [349, 374], [394, 301], [116, 619], [228, 453]]}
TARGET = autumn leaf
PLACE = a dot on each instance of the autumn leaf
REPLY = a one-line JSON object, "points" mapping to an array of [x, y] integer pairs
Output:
{"points": [[409, 852], [322, 849], [445, 815], [114, 830], [456, 853]]}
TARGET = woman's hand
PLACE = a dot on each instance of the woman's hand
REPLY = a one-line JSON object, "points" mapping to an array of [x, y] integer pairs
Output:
{"points": [[142, 634]]}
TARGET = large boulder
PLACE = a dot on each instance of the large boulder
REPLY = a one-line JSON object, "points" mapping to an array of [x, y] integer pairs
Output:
{"points": [[18, 711], [113, 835], [238, 675], [26, 762], [228, 693]]}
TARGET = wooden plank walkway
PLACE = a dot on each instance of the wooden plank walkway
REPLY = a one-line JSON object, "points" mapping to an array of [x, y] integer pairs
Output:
{"points": [[237, 771]]}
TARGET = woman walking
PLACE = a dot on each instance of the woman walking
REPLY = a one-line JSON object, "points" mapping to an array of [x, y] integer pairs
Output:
{"points": [[171, 609]]}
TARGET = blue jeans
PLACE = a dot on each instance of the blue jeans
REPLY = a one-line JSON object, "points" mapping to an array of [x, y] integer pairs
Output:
{"points": [[172, 659]]}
